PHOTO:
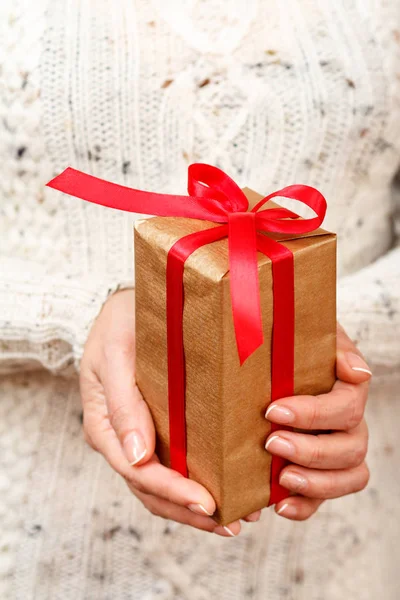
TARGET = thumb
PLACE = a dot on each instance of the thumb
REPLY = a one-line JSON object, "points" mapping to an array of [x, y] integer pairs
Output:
{"points": [[128, 412], [350, 365]]}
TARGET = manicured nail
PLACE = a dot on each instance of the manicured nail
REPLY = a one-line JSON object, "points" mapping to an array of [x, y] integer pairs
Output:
{"points": [[134, 447], [225, 531], [199, 509], [278, 445], [282, 509], [293, 481], [287, 510], [279, 414], [357, 363]]}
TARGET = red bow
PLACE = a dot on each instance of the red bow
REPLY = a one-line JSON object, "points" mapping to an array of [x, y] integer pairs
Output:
{"points": [[214, 196]]}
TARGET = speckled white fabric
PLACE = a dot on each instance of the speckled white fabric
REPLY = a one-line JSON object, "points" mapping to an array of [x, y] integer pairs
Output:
{"points": [[70, 529], [272, 92]]}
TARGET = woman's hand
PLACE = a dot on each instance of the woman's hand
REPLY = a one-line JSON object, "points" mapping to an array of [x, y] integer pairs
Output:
{"points": [[117, 423], [326, 465]]}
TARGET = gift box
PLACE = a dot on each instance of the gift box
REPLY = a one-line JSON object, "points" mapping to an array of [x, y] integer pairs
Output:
{"points": [[225, 402], [235, 307]]}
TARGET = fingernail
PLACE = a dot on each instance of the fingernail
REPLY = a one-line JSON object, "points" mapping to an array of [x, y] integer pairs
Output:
{"points": [[229, 531], [224, 530], [199, 509], [287, 510], [293, 481], [357, 363], [280, 414], [278, 445], [134, 447]]}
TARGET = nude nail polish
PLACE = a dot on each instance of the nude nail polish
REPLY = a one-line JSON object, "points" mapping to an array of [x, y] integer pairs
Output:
{"points": [[134, 447], [293, 481], [279, 445], [357, 363], [287, 510], [279, 414], [199, 509]]}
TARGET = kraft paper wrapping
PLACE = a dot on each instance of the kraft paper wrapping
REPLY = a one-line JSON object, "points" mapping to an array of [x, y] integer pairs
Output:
{"points": [[226, 402]]}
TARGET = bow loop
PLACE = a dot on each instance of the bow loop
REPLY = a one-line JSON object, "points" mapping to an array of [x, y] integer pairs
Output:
{"points": [[210, 182], [276, 222]]}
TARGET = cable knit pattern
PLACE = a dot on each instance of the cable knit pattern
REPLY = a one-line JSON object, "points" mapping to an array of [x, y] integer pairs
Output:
{"points": [[272, 92]]}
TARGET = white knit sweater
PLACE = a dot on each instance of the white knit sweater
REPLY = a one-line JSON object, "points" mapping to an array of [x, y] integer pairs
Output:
{"points": [[272, 92]]}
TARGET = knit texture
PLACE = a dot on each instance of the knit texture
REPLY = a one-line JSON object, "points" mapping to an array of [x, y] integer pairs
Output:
{"points": [[272, 92], [71, 530]]}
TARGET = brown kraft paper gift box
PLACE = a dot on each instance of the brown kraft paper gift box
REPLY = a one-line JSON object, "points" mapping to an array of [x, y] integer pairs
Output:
{"points": [[226, 402]]}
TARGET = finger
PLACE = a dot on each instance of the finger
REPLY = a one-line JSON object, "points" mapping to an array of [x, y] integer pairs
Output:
{"points": [[151, 477], [339, 450], [343, 341], [253, 517], [128, 413], [350, 364], [351, 367], [168, 510], [157, 480], [314, 483], [341, 409], [297, 508]]}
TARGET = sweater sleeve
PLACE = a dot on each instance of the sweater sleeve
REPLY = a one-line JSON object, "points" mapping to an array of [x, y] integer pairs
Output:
{"points": [[369, 309], [45, 318], [369, 302]]}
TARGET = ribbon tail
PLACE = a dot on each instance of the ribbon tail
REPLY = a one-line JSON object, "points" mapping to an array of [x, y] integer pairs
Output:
{"points": [[245, 291], [112, 195], [177, 256], [283, 336]]}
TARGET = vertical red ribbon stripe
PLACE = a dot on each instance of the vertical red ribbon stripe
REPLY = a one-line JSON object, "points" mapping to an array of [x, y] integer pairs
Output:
{"points": [[282, 343], [177, 256]]}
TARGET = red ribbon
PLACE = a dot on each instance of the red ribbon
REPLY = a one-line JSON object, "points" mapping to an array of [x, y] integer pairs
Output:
{"points": [[214, 196]]}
